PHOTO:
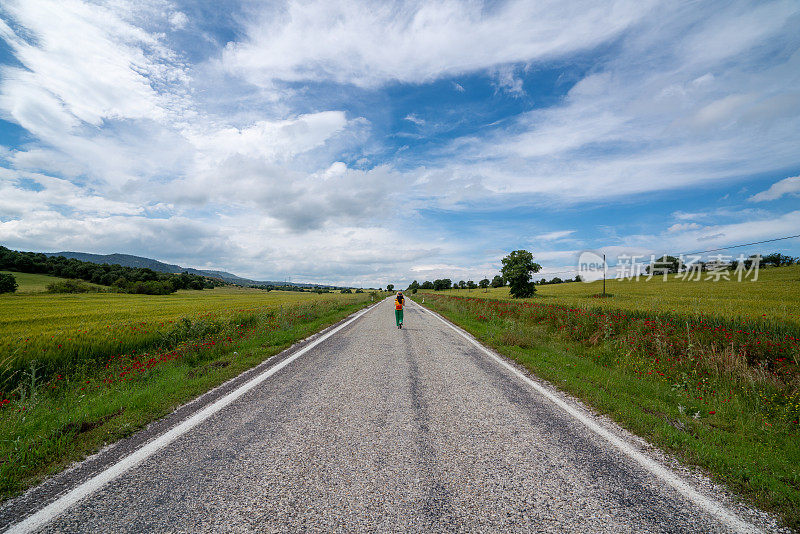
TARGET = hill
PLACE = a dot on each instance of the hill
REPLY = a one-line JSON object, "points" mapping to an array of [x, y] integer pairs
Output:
{"points": [[128, 260]]}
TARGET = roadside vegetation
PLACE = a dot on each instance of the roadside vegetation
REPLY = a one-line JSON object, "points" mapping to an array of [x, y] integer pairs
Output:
{"points": [[708, 370], [84, 369]]}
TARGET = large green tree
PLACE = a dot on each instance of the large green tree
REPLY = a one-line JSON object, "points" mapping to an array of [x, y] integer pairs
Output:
{"points": [[498, 281], [483, 284], [518, 267]]}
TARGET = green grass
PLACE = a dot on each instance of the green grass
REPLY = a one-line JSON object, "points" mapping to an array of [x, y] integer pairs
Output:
{"points": [[36, 283], [775, 295], [729, 406], [126, 360]]}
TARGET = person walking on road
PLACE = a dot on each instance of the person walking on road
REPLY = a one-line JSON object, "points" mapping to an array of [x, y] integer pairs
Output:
{"points": [[398, 309]]}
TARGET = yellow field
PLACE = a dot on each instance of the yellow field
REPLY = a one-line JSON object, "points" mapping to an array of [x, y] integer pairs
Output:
{"points": [[774, 296], [27, 314]]}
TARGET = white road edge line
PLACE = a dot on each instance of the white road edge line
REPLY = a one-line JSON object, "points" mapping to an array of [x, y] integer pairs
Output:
{"points": [[60, 505], [711, 506]]}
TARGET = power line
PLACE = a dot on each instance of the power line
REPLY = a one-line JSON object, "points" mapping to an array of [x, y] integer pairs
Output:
{"points": [[743, 245], [700, 252]]}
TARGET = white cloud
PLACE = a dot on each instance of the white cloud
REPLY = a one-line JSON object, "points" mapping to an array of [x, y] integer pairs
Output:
{"points": [[273, 141], [90, 62], [368, 43], [555, 236], [507, 81], [650, 120], [787, 186], [416, 120], [178, 20], [682, 227]]}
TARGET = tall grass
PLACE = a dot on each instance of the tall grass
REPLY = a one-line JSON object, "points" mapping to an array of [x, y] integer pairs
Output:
{"points": [[692, 353]]}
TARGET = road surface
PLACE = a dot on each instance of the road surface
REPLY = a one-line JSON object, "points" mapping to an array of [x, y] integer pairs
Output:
{"points": [[380, 429]]}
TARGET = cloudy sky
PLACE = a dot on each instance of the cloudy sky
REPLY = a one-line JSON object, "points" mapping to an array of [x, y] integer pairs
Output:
{"points": [[372, 142]]}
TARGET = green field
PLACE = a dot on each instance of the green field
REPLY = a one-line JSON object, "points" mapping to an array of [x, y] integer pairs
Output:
{"points": [[78, 371], [35, 283], [26, 315], [706, 370], [774, 296]]}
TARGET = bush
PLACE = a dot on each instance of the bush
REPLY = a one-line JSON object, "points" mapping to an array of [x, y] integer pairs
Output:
{"points": [[149, 287], [71, 286], [8, 284]]}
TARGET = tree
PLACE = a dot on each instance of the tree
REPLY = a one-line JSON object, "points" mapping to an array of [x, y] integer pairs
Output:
{"points": [[462, 284], [483, 284], [517, 269], [471, 285], [427, 284], [498, 281], [390, 287], [776, 259], [441, 284], [8, 284], [664, 265], [413, 286]]}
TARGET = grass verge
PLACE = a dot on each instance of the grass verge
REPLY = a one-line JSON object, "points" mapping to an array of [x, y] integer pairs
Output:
{"points": [[738, 422], [53, 422]]}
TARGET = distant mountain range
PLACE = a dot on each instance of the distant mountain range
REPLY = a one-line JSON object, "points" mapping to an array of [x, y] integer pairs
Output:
{"points": [[127, 260]]}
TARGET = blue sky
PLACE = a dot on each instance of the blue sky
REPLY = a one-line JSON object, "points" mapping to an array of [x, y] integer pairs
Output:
{"points": [[369, 143]]}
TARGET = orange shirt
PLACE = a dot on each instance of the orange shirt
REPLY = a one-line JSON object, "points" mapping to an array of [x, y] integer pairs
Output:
{"points": [[398, 304]]}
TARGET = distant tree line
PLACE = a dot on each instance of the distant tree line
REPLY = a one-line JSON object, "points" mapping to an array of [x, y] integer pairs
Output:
{"points": [[301, 289], [118, 278], [518, 268], [557, 280], [673, 265]]}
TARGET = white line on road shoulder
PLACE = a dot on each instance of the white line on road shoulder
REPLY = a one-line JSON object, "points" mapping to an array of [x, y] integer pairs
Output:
{"points": [[57, 507], [711, 506]]}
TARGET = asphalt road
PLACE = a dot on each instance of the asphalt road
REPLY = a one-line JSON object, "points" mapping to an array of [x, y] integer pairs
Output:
{"points": [[380, 429]]}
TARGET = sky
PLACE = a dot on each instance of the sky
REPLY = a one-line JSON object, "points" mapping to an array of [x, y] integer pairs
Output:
{"points": [[366, 143]]}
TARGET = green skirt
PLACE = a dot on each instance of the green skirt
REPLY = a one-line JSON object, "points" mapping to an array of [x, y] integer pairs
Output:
{"points": [[398, 317]]}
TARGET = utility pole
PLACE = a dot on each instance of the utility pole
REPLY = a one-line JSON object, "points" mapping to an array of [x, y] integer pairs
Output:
{"points": [[604, 276]]}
